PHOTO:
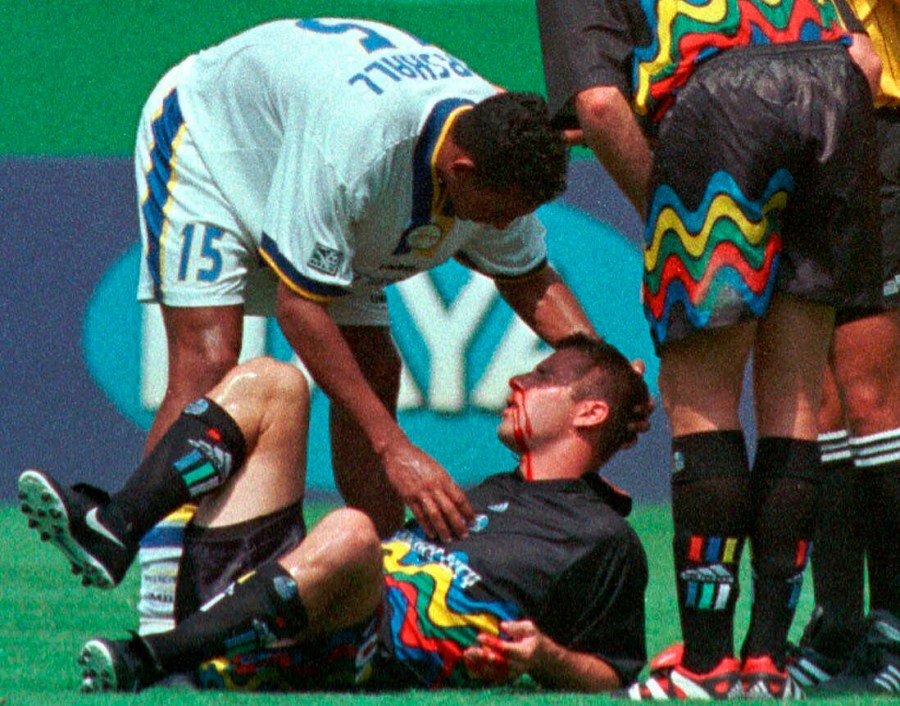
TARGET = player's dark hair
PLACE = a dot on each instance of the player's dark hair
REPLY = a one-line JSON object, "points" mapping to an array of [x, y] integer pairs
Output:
{"points": [[510, 140], [613, 379]]}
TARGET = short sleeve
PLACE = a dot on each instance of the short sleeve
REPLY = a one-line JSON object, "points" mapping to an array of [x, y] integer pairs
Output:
{"points": [[584, 43], [518, 250], [597, 606], [307, 234]]}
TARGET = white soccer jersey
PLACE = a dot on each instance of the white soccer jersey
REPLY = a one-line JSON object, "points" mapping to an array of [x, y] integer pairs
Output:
{"points": [[320, 134]]}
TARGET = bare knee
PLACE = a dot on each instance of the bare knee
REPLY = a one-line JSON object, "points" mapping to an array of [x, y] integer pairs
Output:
{"points": [[353, 535], [270, 380]]}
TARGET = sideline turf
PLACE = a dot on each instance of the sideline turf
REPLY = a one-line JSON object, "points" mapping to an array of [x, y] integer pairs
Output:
{"points": [[45, 617]]}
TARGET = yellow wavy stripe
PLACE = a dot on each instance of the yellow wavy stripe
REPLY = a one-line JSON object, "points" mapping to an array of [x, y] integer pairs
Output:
{"points": [[711, 13], [181, 516], [439, 614], [722, 206]]}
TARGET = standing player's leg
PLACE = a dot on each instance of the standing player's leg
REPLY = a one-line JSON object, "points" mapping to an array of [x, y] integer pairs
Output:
{"points": [[203, 344], [358, 472], [700, 382], [838, 556], [790, 353]]}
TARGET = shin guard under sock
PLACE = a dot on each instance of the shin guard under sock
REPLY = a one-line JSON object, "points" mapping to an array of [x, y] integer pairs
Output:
{"points": [[877, 458], [251, 614], [838, 556], [196, 455], [710, 511], [783, 490]]}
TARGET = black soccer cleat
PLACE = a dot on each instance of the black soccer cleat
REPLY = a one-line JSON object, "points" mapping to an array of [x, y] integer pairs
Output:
{"points": [[822, 653], [117, 665], [72, 520], [874, 666]]}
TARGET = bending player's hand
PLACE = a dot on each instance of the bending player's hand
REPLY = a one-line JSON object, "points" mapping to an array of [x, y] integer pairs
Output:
{"points": [[436, 501], [519, 651]]}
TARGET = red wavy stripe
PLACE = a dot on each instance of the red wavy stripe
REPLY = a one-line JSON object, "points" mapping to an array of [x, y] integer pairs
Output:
{"points": [[724, 254], [692, 43], [412, 636]]}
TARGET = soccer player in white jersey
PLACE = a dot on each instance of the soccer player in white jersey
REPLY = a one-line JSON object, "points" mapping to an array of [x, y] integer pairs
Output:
{"points": [[302, 166]]}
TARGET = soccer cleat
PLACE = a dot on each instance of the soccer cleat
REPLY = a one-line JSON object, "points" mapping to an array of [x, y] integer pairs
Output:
{"points": [[68, 519], [670, 680], [808, 663], [874, 666], [761, 679], [810, 668], [117, 665]]}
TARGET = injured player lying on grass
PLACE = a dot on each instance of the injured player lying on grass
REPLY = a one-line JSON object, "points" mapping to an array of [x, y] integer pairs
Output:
{"points": [[549, 581]]}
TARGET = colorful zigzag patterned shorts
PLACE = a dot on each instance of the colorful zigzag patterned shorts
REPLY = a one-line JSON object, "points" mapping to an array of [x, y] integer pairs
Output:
{"points": [[763, 180]]}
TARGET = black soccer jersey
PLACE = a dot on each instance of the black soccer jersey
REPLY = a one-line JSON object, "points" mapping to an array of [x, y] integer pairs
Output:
{"points": [[557, 552], [649, 48]]}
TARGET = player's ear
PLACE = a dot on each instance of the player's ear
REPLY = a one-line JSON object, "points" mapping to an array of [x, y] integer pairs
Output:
{"points": [[462, 166], [590, 413]]}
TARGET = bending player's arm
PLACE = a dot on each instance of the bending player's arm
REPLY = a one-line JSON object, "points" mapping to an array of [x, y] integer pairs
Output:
{"points": [[546, 304], [436, 501], [524, 649]]}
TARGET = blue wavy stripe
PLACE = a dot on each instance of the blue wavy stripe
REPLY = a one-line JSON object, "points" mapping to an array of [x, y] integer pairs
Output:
{"points": [[720, 183]]}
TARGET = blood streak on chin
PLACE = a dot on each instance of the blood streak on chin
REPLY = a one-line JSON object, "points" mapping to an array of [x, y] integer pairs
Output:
{"points": [[521, 431]]}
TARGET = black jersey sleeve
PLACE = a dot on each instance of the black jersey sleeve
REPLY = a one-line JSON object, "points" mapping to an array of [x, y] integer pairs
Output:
{"points": [[597, 605], [584, 43]]}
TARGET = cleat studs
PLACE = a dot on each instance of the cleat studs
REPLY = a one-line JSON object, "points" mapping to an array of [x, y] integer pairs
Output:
{"points": [[76, 570], [26, 508], [22, 495], [46, 497], [41, 513], [32, 523], [45, 536], [56, 514]]}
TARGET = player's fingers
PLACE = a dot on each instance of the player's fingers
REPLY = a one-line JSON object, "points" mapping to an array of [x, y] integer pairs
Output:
{"points": [[493, 644], [432, 509], [422, 517], [456, 520], [459, 500]]}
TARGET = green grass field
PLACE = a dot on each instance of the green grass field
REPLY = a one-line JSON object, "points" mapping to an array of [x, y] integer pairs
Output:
{"points": [[45, 616]]}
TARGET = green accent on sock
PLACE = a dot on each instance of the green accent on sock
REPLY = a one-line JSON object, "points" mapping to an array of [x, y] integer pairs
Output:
{"points": [[199, 474]]}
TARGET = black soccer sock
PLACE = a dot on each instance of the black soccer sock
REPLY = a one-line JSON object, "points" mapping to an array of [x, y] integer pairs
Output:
{"points": [[710, 511], [877, 458], [838, 556], [196, 455], [251, 614], [783, 489]]}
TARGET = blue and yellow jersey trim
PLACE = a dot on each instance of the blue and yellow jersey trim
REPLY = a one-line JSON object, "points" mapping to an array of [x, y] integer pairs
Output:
{"points": [[297, 282], [430, 205], [168, 129]]}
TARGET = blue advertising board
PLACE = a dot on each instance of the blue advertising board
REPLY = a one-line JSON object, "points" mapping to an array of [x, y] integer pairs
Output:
{"points": [[84, 368]]}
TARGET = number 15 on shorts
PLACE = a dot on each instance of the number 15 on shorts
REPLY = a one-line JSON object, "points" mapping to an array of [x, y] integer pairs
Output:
{"points": [[201, 260]]}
